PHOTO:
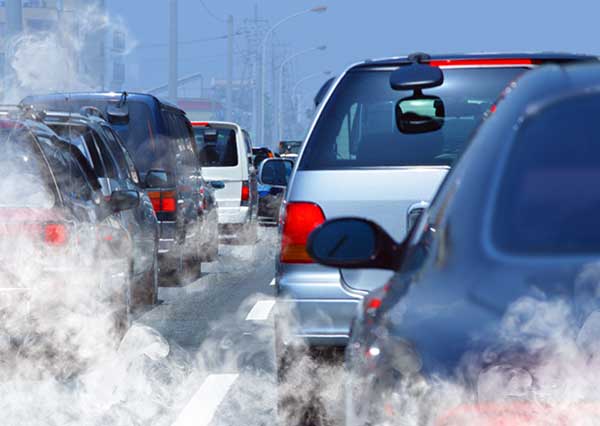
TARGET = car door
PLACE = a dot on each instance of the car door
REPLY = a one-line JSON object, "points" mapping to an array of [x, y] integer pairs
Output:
{"points": [[146, 225]]}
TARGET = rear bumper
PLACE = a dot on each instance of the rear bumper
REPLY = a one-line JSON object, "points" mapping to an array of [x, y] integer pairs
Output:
{"points": [[234, 215], [313, 305]]}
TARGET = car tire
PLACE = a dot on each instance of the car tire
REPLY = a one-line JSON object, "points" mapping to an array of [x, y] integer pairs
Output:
{"points": [[122, 316], [249, 234], [146, 293]]}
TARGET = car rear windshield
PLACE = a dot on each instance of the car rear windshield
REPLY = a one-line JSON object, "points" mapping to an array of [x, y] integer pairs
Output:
{"points": [[26, 179], [357, 127], [139, 135], [549, 197], [217, 146]]}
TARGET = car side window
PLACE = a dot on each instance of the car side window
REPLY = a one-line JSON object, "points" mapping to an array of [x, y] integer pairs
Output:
{"points": [[347, 137], [70, 178], [108, 160], [118, 153], [133, 172]]}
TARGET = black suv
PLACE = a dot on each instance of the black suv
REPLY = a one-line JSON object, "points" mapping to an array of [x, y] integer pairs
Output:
{"points": [[115, 169], [159, 137], [62, 246]]}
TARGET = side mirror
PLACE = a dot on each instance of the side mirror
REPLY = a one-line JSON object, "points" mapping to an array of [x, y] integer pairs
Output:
{"points": [[118, 114], [217, 184], [354, 243], [124, 200], [420, 114], [158, 179], [275, 172]]}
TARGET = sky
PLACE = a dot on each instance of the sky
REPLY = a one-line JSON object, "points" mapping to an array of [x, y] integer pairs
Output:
{"points": [[354, 30]]}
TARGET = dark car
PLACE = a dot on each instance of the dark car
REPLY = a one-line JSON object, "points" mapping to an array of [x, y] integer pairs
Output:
{"points": [[63, 252], [160, 140], [115, 169], [495, 289]]}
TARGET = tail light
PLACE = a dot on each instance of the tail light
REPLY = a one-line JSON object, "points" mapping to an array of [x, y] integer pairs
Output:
{"points": [[163, 201], [245, 193], [300, 220], [55, 234]]}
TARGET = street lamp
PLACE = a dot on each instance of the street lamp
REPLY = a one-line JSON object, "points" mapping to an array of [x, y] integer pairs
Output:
{"points": [[302, 80], [280, 101], [263, 74]]}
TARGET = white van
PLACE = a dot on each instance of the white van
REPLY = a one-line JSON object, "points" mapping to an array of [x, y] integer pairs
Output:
{"points": [[225, 152]]}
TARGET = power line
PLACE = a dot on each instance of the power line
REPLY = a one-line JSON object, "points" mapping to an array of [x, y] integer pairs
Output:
{"points": [[210, 12], [188, 42]]}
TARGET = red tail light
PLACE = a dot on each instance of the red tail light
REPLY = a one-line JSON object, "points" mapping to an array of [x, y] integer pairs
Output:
{"points": [[245, 193], [300, 220], [163, 201], [56, 234]]}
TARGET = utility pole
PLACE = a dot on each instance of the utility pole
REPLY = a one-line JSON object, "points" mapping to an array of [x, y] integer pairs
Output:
{"points": [[229, 103], [173, 53]]}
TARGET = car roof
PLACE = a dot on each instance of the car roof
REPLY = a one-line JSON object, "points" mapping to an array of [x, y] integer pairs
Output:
{"points": [[535, 57], [144, 97]]}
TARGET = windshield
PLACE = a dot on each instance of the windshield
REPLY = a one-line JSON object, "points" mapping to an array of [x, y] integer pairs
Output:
{"points": [[217, 146], [358, 126], [25, 175], [556, 156]]}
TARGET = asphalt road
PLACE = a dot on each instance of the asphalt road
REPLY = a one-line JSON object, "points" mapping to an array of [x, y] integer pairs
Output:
{"points": [[221, 328]]}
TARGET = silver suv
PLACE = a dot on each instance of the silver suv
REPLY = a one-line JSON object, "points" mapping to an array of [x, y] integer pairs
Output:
{"points": [[385, 136]]}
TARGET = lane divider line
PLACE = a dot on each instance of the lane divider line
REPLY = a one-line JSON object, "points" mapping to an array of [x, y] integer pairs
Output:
{"points": [[272, 283], [261, 310], [201, 409]]}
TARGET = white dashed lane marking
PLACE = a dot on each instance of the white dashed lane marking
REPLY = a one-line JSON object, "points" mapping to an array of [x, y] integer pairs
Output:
{"points": [[261, 310], [272, 283], [201, 409]]}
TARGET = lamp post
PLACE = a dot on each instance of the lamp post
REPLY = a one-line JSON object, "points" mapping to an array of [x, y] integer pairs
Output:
{"points": [[263, 74], [280, 101], [302, 80]]}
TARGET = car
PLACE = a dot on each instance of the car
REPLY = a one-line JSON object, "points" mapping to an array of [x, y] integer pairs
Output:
{"points": [[269, 197], [115, 169], [159, 138], [367, 138], [260, 154], [225, 152], [63, 249], [272, 195], [496, 282]]}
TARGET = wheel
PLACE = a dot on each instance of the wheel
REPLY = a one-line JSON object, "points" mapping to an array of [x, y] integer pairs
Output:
{"points": [[249, 233], [147, 290], [122, 317]]}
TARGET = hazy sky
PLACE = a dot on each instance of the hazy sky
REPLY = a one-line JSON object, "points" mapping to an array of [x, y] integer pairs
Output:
{"points": [[354, 30]]}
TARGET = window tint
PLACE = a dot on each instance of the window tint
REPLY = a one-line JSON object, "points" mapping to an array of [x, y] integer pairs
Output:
{"points": [[140, 134], [72, 180], [217, 146], [358, 126], [121, 155], [111, 168], [26, 179], [180, 134], [141, 139], [549, 197]]}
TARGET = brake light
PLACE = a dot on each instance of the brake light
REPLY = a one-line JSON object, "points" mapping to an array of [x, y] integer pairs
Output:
{"points": [[56, 234], [490, 62], [163, 201], [245, 193], [300, 220]]}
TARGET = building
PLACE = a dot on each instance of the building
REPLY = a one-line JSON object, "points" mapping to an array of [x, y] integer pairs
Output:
{"points": [[101, 55]]}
